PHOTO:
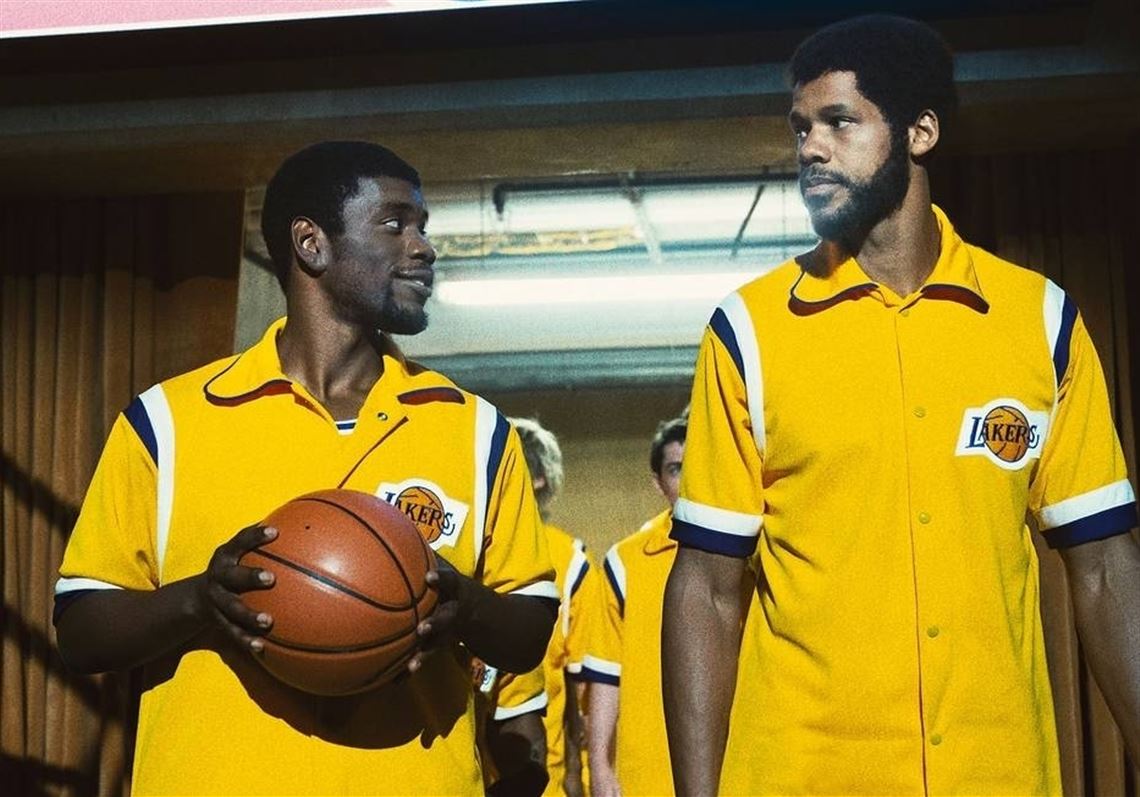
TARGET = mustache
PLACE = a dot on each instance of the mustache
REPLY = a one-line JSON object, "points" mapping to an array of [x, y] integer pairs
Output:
{"points": [[813, 175]]}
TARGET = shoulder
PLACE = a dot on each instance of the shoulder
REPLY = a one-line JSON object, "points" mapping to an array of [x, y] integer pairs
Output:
{"points": [[559, 541], [771, 288], [1006, 279]]}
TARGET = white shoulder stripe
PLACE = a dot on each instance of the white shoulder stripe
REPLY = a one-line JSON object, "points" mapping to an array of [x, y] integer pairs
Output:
{"points": [[536, 703], [161, 420], [1081, 506], [617, 567], [741, 321], [539, 589], [573, 571], [65, 585], [1053, 308], [713, 518], [485, 419]]}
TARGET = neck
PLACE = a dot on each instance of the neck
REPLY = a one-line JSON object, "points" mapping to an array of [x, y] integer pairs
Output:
{"points": [[337, 362], [902, 249]]}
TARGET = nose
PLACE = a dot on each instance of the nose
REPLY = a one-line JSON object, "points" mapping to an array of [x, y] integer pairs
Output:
{"points": [[812, 147], [420, 248]]}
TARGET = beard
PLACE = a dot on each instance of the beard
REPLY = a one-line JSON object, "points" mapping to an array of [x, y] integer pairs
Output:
{"points": [[868, 202], [398, 319]]}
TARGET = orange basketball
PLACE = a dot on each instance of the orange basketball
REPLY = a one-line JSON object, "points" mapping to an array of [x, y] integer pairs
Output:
{"points": [[349, 591], [1007, 433]]}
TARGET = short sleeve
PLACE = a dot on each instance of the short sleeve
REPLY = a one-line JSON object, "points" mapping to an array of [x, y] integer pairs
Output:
{"points": [[112, 545], [721, 502], [516, 556], [1080, 491], [582, 582], [602, 657], [514, 695]]}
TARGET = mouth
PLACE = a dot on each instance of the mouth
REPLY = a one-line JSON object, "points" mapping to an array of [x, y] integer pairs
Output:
{"points": [[420, 281], [818, 186]]}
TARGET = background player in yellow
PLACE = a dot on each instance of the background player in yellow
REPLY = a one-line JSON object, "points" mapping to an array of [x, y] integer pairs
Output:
{"points": [[576, 581], [878, 419], [626, 729], [150, 576]]}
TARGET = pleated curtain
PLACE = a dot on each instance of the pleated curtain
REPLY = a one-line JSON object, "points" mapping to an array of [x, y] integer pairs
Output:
{"points": [[99, 298]]}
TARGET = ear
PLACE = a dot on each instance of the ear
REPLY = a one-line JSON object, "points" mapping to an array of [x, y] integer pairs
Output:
{"points": [[923, 134], [310, 245], [657, 485]]}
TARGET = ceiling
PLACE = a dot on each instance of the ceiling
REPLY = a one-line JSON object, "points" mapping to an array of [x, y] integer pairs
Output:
{"points": [[520, 92]]}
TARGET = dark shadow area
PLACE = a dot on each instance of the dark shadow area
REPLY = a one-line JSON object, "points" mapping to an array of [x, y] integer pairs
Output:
{"points": [[37, 494], [27, 778]]}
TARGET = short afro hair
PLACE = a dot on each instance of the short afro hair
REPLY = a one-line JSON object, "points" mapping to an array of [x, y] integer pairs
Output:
{"points": [[543, 458], [671, 431], [315, 183], [901, 65]]}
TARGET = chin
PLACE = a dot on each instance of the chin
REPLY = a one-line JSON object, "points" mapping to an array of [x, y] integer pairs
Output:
{"points": [[403, 323]]}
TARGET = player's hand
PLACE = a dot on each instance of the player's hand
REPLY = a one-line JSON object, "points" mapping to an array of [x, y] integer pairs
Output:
{"points": [[220, 587], [457, 594]]}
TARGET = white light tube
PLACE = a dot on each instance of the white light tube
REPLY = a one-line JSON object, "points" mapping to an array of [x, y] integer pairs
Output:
{"points": [[589, 290]]}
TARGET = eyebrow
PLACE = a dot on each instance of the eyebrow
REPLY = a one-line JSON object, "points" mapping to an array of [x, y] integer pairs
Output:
{"points": [[403, 207], [827, 110]]}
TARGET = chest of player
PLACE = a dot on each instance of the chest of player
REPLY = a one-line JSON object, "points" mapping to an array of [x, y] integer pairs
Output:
{"points": [[936, 385], [234, 465]]}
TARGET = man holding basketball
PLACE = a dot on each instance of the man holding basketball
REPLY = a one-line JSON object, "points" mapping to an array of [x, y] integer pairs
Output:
{"points": [[151, 575], [883, 415]]}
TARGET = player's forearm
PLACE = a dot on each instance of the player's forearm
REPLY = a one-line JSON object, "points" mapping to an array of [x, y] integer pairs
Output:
{"points": [[573, 734], [601, 735], [118, 629], [509, 632], [700, 642], [1106, 601]]}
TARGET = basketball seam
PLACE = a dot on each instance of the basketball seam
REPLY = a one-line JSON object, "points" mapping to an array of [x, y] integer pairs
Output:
{"points": [[380, 539], [415, 599], [313, 574], [340, 648]]}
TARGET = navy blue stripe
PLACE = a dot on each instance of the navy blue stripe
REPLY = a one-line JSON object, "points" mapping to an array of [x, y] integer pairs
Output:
{"points": [[1064, 339], [64, 601], [593, 676], [495, 458], [140, 421], [1102, 525], [712, 541], [581, 577], [724, 331], [614, 585]]}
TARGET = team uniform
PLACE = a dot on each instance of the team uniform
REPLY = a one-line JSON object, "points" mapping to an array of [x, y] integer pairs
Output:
{"points": [[574, 578], [198, 457], [887, 453], [624, 651]]}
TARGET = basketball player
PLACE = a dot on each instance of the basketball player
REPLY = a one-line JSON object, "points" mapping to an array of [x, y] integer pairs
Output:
{"points": [[883, 414], [151, 576], [627, 746], [562, 730]]}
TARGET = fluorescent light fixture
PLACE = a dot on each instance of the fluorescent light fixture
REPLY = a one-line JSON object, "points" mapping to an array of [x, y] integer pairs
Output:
{"points": [[659, 288]]}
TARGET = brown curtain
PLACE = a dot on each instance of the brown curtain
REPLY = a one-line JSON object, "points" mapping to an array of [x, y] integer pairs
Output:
{"points": [[1071, 216], [99, 299]]}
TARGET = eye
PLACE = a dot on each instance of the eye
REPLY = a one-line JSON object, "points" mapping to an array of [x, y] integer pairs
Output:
{"points": [[394, 224], [840, 122]]}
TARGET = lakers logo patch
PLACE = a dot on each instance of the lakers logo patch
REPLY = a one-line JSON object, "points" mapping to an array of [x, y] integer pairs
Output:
{"points": [[1004, 431], [438, 517]]}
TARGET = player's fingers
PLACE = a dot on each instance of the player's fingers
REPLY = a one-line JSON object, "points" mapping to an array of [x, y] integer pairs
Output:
{"points": [[434, 628], [239, 578], [444, 579], [237, 617], [249, 538]]}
